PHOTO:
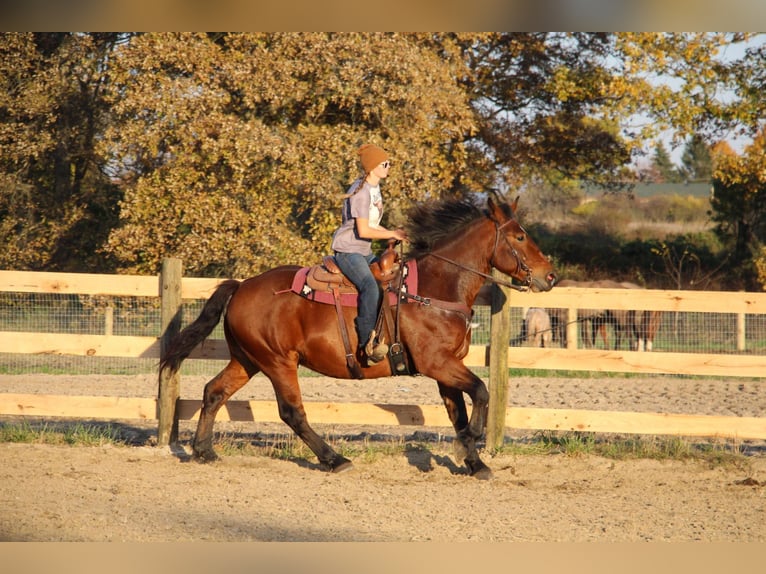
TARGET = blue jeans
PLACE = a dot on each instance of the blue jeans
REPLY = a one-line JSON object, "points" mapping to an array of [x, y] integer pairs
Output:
{"points": [[357, 268]]}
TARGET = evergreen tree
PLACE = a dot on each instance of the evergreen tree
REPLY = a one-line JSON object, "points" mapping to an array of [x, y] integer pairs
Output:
{"points": [[697, 164], [663, 165]]}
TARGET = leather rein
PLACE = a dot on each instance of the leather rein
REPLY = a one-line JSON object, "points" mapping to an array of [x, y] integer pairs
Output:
{"points": [[520, 265]]}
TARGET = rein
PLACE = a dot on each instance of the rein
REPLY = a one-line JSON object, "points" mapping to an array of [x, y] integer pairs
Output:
{"points": [[519, 263]]}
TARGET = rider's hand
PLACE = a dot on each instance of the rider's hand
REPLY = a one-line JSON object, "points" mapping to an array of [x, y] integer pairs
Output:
{"points": [[399, 235]]}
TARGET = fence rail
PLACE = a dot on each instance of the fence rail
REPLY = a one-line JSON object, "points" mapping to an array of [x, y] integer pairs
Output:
{"points": [[724, 364]]}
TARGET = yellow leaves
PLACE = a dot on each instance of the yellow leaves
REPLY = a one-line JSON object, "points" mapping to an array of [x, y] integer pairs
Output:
{"points": [[249, 138], [747, 170], [679, 79], [251, 142]]}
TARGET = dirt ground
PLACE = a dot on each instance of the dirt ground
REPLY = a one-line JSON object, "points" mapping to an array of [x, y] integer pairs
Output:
{"points": [[145, 493]]}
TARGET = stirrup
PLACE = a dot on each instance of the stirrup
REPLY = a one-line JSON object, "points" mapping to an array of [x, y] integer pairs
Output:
{"points": [[375, 352]]}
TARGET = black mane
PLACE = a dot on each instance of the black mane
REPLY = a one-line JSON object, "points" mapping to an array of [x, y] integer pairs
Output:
{"points": [[429, 222]]}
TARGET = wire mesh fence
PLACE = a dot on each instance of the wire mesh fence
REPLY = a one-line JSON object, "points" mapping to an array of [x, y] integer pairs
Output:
{"points": [[90, 315], [681, 332], [688, 332]]}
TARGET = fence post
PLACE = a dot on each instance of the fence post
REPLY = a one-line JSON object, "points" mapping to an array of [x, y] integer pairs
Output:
{"points": [[741, 331], [499, 337], [170, 318], [572, 328], [109, 320]]}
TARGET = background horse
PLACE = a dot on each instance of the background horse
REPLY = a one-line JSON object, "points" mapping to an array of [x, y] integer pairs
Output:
{"points": [[591, 320], [272, 330], [637, 328], [537, 327]]}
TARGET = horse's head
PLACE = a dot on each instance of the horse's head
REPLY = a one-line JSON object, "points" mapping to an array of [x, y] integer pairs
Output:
{"points": [[514, 252]]}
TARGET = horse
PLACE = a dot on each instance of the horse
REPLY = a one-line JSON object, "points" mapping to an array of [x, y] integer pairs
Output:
{"points": [[270, 329], [650, 324], [638, 328], [537, 327], [592, 318]]}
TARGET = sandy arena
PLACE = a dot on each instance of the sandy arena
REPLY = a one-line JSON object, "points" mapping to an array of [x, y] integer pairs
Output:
{"points": [[145, 493]]}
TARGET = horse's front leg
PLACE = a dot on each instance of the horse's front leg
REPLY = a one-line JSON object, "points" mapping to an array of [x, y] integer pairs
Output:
{"points": [[458, 415], [468, 431]]}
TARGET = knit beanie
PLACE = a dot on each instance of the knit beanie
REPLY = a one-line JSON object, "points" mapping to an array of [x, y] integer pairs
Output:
{"points": [[371, 156]]}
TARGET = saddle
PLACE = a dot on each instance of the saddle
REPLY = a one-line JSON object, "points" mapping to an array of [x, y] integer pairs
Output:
{"points": [[327, 278]]}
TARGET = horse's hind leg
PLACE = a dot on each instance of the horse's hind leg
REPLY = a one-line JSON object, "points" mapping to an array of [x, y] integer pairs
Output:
{"points": [[291, 411], [232, 378]]}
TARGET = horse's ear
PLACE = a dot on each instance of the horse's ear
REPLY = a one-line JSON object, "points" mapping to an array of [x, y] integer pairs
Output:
{"points": [[515, 205], [495, 204]]}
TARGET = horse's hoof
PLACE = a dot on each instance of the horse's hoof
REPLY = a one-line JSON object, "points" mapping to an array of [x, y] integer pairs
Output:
{"points": [[479, 470], [205, 456], [341, 465], [459, 451], [483, 474]]}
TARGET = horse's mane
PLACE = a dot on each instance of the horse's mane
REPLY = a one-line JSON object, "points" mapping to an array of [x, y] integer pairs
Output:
{"points": [[429, 222]]}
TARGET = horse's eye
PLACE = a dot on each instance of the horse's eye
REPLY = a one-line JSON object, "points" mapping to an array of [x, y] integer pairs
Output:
{"points": [[520, 237]]}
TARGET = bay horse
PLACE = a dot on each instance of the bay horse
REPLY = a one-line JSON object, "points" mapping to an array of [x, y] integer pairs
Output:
{"points": [[268, 328], [637, 328]]}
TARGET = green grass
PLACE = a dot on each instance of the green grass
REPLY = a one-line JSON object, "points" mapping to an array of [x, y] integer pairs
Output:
{"points": [[571, 444], [78, 434], [367, 449], [576, 444]]}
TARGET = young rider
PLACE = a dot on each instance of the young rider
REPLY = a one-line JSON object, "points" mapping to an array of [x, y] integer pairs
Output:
{"points": [[352, 244]]}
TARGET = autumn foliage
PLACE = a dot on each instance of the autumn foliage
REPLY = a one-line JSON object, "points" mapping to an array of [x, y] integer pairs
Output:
{"points": [[231, 151]]}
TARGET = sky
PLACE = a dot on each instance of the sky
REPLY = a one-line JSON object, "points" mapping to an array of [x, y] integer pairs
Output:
{"points": [[737, 143]]}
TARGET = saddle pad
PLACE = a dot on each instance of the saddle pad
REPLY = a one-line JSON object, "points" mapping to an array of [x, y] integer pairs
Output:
{"points": [[301, 287]]}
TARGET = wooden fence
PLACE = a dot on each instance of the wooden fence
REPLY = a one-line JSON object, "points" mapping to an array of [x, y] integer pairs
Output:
{"points": [[167, 409]]}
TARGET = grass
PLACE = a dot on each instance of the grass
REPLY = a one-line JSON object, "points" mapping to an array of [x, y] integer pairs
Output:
{"points": [[368, 448], [287, 446], [575, 444], [78, 434]]}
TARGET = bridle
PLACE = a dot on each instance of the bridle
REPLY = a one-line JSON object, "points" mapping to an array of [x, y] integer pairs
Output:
{"points": [[520, 265]]}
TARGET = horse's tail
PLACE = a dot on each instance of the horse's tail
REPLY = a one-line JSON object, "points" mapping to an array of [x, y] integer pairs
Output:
{"points": [[200, 329]]}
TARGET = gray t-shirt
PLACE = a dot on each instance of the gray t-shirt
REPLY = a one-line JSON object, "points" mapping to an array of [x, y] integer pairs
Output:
{"points": [[367, 203]]}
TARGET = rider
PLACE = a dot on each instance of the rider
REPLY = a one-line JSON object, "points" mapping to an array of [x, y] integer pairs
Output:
{"points": [[352, 244]]}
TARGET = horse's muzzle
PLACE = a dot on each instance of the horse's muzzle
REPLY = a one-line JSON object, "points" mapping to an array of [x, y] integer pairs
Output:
{"points": [[544, 285]]}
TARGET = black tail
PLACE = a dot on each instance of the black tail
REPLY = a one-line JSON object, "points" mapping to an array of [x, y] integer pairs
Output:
{"points": [[198, 331]]}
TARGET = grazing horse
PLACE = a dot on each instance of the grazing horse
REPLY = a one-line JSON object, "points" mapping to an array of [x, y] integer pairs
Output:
{"points": [[637, 328], [537, 327], [650, 324], [270, 329], [591, 320]]}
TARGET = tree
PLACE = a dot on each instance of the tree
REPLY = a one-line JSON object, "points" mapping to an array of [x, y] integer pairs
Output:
{"points": [[664, 166], [56, 202], [697, 164], [739, 204], [231, 150], [535, 95], [694, 70], [682, 262], [238, 147]]}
